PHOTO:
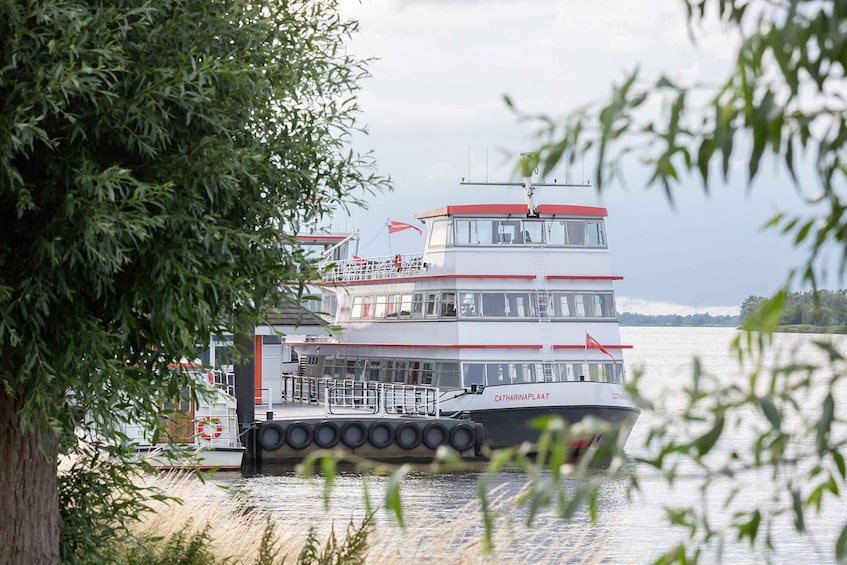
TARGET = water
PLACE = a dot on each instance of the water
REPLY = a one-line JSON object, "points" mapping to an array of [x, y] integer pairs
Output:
{"points": [[444, 522]]}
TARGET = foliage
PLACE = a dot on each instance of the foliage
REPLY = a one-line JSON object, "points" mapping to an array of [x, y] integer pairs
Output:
{"points": [[782, 101], [182, 547], [151, 155], [704, 319], [351, 551], [821, 308]]}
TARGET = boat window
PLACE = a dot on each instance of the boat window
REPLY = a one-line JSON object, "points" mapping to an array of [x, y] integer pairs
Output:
{"points": [[438, 234], [356, 311], [607, 305], [466, 233], [367, 306], [400, 370], [495, 373], [555, 232], [575, 232], [379, 307], [469, 304], [448, 304], [517, 304], [493, 304], [473, 374], [580, 305], [432, 300], [373, 370], [595, 234], [533, 232], [405, 305], [427, 374], [447, 375], [386, 375], [485, 231], [509, 231], [417, 305]]}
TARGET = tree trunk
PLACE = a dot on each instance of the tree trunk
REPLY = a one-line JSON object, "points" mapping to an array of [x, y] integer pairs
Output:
{"points": [[30, 524]]}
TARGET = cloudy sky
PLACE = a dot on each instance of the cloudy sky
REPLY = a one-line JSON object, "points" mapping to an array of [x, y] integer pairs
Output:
{"points": [[435, 113]]}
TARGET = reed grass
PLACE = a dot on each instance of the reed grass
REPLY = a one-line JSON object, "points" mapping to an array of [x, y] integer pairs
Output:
{"points": [[232, 531]]}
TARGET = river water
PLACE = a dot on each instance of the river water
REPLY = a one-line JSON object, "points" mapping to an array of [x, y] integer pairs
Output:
{"points": [[443, 520]]}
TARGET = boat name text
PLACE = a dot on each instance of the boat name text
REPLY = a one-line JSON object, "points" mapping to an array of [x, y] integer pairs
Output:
{"points": [[620, 396], [525, 396]]}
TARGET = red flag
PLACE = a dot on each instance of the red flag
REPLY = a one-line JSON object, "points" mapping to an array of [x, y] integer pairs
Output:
{"points": [[395, 226], [357, 259], [591, 343]]}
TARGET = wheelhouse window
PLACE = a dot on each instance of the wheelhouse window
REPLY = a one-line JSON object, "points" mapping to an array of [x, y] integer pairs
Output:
{"points": [[574, 232]]}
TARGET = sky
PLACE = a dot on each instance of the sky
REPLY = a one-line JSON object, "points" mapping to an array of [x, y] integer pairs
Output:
{"points": [[435, 113]]}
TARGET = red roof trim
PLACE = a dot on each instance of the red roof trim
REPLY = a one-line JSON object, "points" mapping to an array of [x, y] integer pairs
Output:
{"points": [[582, 346], [584, 277], [321, 237], [422, 346], [513, 210], [427, 277]]}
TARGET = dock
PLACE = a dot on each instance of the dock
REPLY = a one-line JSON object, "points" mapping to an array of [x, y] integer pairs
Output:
{"points": [[378, 421]]}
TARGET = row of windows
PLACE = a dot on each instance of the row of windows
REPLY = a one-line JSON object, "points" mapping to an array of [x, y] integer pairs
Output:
{"points": [[446, 374], [478, 231], [485, 304]]}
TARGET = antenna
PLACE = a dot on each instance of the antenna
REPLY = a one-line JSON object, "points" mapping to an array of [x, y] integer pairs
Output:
{"points": [[527, 184]]}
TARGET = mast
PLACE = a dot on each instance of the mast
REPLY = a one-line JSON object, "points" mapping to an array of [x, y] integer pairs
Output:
{"points": [[527, 185]]}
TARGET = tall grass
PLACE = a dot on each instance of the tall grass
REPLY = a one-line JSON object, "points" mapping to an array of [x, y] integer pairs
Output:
{"points": [[212, 524]]}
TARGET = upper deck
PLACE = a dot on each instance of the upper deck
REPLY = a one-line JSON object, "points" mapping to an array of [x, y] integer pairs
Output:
{"points": [[466, 228]]}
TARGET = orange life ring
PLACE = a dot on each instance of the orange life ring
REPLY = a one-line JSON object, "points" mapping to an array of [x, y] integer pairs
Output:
{"points": [[398, 262], [204, 423]]}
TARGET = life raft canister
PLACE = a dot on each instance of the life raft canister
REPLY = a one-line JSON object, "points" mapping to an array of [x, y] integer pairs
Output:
{"points": [[210, 427], [398, 262]]}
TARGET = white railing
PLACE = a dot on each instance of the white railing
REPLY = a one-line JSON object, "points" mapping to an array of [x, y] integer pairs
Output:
{"points": [[390, 267], [369, 397]]}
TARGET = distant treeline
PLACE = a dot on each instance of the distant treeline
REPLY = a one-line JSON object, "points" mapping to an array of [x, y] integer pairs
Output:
{"points": [[705, 319], [827, 309]]}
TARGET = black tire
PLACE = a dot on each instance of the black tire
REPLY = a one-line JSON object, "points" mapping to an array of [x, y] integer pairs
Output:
{"points": [[479, 429], [407, 435], [435, 434], [354, 434], [271, 436], [462, 437], [299, 435], [380, 435], [326, 435]]}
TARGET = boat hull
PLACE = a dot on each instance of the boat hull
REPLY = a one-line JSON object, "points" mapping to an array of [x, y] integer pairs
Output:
{"points": [[206, 459], [507, 411]]}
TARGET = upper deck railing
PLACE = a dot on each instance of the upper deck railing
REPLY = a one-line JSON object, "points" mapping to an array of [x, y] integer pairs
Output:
{"points": [[388, 267]]}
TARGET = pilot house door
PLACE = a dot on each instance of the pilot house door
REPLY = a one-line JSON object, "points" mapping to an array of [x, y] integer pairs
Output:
{"points": [[178, 418]]}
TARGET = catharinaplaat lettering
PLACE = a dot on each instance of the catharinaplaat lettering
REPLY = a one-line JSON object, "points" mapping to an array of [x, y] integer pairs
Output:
{"points": [[521, 396]]}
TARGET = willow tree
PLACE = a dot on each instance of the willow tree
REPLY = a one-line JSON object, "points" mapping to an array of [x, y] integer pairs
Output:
{"points": [[151, 154], [782, 102]]}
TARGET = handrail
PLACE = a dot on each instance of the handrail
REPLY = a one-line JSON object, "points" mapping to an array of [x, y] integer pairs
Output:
{"points": [[362, 396], [385, 267]]}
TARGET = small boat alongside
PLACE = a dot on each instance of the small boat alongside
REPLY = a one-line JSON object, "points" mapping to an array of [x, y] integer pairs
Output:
{"points": [[202, 427]]}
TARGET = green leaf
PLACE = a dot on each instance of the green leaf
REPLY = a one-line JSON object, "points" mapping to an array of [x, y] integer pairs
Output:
{"points": [[841, 545], [707, 441], [771, 413], [824, 423]]}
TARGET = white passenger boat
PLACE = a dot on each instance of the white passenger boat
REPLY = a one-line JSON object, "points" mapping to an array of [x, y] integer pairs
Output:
{"points": [[509, 311], [203, 428]]}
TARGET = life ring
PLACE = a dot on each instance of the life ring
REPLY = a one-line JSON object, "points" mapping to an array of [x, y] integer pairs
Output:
{"points": [[398, 262], [203, 427]]}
